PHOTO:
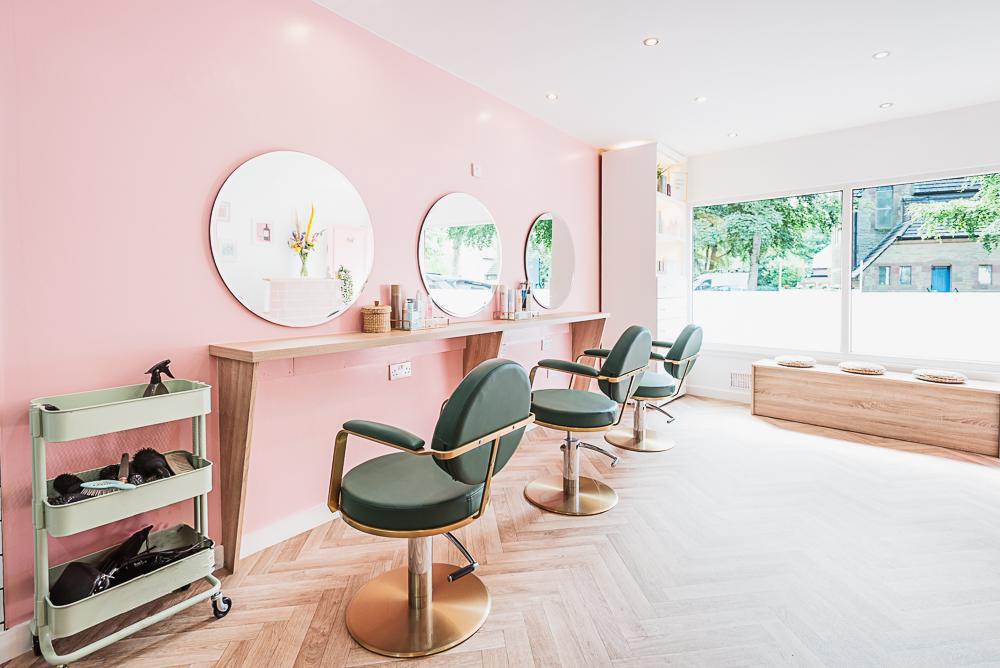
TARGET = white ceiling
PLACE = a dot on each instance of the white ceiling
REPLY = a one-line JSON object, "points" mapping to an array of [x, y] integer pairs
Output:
{"points": [[771, 69]]}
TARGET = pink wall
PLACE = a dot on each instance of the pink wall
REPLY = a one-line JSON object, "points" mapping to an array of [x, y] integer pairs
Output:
{"points": [[129, 116]]}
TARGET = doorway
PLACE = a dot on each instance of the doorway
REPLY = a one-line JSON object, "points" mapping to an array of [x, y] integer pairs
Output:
{"points": [[941, 279]]}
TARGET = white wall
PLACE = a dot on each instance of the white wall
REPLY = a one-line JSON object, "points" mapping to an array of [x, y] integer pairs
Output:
{"points": [[964, 140], [628, 239], [936, 145]]}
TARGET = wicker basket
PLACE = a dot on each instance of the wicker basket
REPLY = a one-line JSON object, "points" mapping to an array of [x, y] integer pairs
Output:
{"points": [[375, 318]]}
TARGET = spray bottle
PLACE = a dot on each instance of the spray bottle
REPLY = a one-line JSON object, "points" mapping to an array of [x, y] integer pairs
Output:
{"points": [[156, 385]]}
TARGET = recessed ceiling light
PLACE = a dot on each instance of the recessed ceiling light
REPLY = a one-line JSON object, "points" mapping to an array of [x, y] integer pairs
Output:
{"points": [[551, 96], [885, 105], [700, 99], [651, 41], [733, 135], [879, 55]]}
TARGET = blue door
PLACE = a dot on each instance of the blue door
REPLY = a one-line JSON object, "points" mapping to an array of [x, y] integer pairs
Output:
{"points": [[941, 279]]}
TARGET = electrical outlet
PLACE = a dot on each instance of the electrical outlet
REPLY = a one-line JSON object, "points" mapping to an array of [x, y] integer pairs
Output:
{"points": [[401, 370], [546, 342]]}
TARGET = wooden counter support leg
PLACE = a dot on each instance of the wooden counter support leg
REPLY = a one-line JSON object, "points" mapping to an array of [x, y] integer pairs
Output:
{"points": [[479, 348], [237, 393], [586, 334]]}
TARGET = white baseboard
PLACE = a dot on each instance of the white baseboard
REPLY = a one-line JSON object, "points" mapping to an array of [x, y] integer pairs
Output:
{"points": [[15, 641], [725, 394], [263, 538]]}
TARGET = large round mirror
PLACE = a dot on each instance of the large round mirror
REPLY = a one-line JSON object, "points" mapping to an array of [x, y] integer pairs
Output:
{"points": [[459, 254], [291, 238], [549, 260]]}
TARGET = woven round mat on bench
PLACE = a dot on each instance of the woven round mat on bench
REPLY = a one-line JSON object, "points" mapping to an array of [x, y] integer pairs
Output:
{"points": [[940, 376], [798, 361], [863, 368]]}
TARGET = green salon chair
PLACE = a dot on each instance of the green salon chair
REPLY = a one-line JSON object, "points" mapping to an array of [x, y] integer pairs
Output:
{"points": [[572, 411], [422, 492], [656, 387]]}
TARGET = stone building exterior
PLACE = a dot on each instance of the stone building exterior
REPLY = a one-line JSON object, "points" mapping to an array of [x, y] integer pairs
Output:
{"points": [[890, 253]]}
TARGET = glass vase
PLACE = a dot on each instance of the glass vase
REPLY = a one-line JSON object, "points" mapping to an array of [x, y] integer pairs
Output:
{"points": [[303, 271]]}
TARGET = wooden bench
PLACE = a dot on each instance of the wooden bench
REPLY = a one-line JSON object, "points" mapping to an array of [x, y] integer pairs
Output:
{"points": [[896, 405]]}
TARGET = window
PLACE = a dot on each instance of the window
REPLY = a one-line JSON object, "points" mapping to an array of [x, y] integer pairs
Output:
{"points": [[767, 272], [985, 276], [906, 275], [883, 208], [945, 243]]}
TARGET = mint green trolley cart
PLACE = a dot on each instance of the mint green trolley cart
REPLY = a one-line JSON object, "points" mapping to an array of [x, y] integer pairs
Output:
{"points": [[69, 417]]}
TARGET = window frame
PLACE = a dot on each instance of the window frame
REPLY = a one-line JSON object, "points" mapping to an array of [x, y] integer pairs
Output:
{"points": [[979, 276], [909, 276], [846, 189], [884, 272]]}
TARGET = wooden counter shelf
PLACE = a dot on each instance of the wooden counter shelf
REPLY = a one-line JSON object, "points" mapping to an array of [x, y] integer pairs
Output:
{"points": [[894, 405], [238, 375]]}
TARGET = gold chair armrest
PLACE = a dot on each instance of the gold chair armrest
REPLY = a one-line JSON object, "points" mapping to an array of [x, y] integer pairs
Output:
{"points": [[337, 470], [623, 377], [531, 375], [340, 450]]}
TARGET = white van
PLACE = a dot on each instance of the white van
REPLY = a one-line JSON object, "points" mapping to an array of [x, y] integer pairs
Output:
{"points": [[722, 280]]}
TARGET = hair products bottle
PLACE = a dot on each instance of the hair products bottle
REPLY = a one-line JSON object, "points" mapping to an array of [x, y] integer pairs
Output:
{"points": [[397, 311], [501, 297]]}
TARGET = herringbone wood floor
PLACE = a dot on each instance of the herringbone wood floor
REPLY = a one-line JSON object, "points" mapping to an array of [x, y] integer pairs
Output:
{"points": [[753, 542]]}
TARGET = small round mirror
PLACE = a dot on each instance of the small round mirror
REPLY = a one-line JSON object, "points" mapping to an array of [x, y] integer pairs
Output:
{"points": [[549, 260], [291, 238], [459, 254]]}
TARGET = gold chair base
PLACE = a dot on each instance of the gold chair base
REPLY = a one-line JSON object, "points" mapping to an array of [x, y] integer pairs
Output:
{"points": [[651, 441], [593, 498], [379, 616]]}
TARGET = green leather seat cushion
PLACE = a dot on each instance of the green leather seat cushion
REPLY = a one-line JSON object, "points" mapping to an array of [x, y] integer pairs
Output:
{"points": [[403, 492], [656, 386], [573, 408], [385, 433]]}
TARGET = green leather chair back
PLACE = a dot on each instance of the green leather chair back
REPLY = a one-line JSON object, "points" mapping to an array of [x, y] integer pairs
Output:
{"points": [[493, 395], [688, 343], [630, 352]]}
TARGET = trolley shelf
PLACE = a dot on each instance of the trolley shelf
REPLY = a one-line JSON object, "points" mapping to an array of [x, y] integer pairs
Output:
{"points": [[71, 518], [96, 412], [65, 620], [68, 417]]}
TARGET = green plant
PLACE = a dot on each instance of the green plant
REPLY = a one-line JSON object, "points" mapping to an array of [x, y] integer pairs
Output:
{"points": [[346, 283], [978, 216]]}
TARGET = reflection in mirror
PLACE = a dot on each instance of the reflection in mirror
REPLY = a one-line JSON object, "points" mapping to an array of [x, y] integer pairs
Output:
{"points": [[549, 260], [291, 238], [459, 254]]}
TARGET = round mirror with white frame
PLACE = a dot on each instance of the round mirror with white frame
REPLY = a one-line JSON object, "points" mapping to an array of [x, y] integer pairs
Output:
{"points": [[549, 260], [459, 254], [291, 238]]}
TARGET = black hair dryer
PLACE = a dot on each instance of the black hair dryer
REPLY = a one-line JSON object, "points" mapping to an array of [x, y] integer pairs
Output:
{"points": [[156, 385]]}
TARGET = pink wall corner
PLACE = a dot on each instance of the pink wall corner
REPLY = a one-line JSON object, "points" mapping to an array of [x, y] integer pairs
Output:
{"points": [[130, 117]]}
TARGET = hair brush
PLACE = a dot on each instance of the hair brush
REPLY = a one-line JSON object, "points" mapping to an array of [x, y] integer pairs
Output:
{"points": [[105, 486], [67, 483], [151, 465]]}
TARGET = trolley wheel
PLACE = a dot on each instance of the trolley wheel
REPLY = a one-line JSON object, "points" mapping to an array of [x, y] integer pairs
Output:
{"points": [[221, 606], [36, 647]]}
